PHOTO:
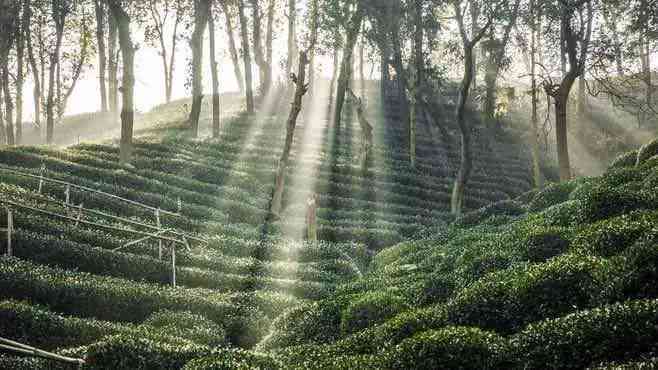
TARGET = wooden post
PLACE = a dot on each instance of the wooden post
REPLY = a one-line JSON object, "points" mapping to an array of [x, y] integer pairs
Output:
{"points": [[10, 227], [180, 205], [41, 173], [67, 193], [173, 265], [159, 225], [311, 218], [79, 214]]}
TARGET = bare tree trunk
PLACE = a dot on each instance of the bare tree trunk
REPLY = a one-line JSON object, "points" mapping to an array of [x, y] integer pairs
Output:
{"points": [[246, 57], [102, 57], [302, 87], [334, 73], [59, 18], [534, 120], [36, 91], [127, 81], [346, 65], [9, 105], [20, 66], [366, 131], [3, 133], [466, 162], [200, 21], [416, 95], [314, 37], [213, 72], [561, 137], [172, 56], [269, 38], [233, 51], [362, 77], [259, 55], [113, 68], [292, 36]]}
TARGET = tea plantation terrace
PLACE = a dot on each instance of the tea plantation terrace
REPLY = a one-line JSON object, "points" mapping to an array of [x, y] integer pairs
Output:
{"points": [[69, 289]]}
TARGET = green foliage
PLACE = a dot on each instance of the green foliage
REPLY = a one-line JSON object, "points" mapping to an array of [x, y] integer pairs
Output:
{"points": [[604, 202], [502, 208], [449, 348], [369, 309], [588, 337], [627, 159], [143, 352], [552, 195], [647, 151], [186, 325], [234, 359], [505, 301]]}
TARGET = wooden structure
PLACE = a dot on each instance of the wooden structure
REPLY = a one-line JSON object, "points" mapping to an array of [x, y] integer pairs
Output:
{"points": [[24, 349]]}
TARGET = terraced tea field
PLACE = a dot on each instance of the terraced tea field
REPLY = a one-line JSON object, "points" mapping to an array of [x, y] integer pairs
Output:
{"points": [[76, 288]]}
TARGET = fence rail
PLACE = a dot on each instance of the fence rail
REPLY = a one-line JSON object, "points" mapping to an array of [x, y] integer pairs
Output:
{"points": [[24, 349], [87, 189]]}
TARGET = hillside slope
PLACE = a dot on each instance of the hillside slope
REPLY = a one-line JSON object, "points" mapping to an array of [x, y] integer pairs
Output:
{"points": [[68, 289]]}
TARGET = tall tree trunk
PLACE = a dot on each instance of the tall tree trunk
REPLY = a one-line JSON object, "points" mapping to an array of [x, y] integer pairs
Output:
{"points": [[416, 95], [300, 82], [53, 68], [200, 20], [36, 91], [315, 13], [362, 77], [127, 80], [384, 70], [534, 119], [102, 57], [269, 38], [334, 73], [113, 68], [172, 56], [561, 136], [213, 72], [403, 82], [246, 57], [3, 133], [9, 105], [259, 54], [466, 160], [346, 65], [490, 82], [20, 68], [233, 51], [292, 36]]}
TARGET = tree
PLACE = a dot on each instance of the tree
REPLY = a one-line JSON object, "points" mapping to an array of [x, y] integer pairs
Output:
{"points": [[292, 36], [417, 79], [246, 58], [60, 10], [213, 72], [8, 26], [353, 27], [300, 91], [466, 160], [201, 8], [231, 45], [264, 66], [160, 12], [113, 65], [495, 50], [21, 33], [575, 43], [102, 53], [127, 80]]}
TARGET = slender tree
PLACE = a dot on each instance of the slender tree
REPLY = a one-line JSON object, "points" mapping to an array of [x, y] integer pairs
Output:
{"points": [[160, 12], [233, 51], [213, 71], [201, 9], [99, 8], [575, 42], [466, 160], [353, 27], [246, 58], [113, 66], [122, 20]]}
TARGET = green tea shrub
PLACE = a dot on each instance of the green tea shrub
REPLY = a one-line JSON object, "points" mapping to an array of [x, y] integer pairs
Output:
{"points": [[370, 309], [552, 195], [143, 352], [234, 359], [627, 159], [507, 300], [501, 208], [186, 325], [584, 338], [647, 151], [610, 237], [449, 348]]}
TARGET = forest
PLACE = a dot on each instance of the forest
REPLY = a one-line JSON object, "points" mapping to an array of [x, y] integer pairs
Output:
{"points": [[328, 184]]}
